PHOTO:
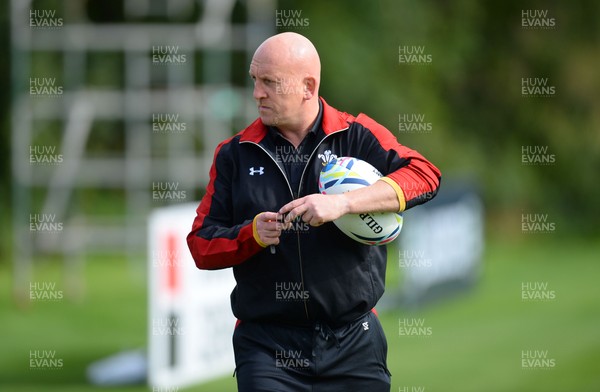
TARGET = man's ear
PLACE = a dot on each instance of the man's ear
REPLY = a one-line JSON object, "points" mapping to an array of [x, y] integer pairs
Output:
{"points": [[310, 87]]}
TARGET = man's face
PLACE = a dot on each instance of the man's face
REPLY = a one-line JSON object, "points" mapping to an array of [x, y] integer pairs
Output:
{"points": [[277, 92]]}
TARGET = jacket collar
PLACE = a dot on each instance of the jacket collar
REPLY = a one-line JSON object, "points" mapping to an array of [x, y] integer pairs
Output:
{"points": [[333, 121]]}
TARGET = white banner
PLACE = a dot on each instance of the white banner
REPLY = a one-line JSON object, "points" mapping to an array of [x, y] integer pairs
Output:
{"points": [[442, 242], [190, 322]]}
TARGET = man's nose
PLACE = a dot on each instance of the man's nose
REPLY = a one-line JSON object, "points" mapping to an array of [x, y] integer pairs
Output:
{"points": [[259, 91]]}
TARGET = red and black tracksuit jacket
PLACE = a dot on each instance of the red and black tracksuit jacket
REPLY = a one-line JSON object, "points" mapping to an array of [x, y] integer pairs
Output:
{"points": [[315, 273]]}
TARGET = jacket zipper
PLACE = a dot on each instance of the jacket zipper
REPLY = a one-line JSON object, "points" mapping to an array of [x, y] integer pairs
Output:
{"points": [[292, 194], [299, 192]]}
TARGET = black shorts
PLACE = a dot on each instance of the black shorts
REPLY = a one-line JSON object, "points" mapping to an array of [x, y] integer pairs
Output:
{"points": [[276, 357]]}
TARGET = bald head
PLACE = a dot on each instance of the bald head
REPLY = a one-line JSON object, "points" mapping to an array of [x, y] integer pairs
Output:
{"points": [[293, 51], [286, 70]]}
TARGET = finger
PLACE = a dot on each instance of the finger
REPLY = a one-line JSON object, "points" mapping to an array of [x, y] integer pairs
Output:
{"points": [[301, 211], [269, 226], [287, 208], [290, 206], [268, 216], [269, 237], [316, 222], [270, 241], [312, 217], [306, 217], [286, 225]]}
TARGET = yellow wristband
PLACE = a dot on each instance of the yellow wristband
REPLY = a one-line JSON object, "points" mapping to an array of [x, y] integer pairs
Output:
{"points": [[255, 233], [399, 192]]}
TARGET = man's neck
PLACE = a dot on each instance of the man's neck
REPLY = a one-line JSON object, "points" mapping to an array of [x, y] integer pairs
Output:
{"points": [[297, 134]]}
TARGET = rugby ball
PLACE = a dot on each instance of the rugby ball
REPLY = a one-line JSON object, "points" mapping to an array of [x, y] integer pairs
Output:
{"points": [[346, 174]]}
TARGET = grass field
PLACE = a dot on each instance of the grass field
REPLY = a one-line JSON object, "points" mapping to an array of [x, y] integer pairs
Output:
{"points": [[474, 342]]}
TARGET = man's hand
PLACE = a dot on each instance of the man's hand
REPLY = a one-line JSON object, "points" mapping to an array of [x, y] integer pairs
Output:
{"points": [[268, 227], [315, 209]]}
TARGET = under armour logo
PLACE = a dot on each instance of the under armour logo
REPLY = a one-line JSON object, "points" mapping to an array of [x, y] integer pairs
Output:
{"points": [[365, 325], [260, 171]]}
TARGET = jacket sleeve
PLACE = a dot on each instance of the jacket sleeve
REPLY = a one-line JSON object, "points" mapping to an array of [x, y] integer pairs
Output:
{"points": [[414, 178], [216, 241]]}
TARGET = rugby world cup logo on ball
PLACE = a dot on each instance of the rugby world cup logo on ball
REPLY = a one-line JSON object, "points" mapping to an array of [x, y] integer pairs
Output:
{"points": [[346, 174]]}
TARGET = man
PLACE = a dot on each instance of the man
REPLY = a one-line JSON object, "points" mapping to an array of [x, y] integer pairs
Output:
{"points": [[305, 291]]}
